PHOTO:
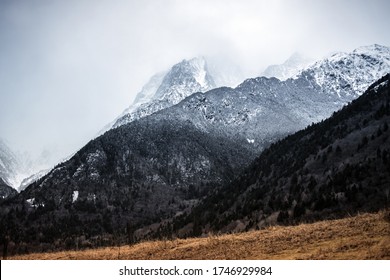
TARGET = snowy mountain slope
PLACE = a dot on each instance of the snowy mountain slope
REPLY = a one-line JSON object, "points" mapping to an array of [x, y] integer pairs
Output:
{"points": [[256, 113], [9, 165], [149, 90], [349, 74], [167, 89], [289, 68], [143, 97], [19, 169]]}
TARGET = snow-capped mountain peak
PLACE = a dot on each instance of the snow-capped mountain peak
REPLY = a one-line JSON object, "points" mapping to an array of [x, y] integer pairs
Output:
{"points": [[168, 88], [184, 78]]}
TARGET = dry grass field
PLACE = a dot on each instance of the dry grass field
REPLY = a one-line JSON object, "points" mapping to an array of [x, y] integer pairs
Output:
{"points": [[365, 236]]}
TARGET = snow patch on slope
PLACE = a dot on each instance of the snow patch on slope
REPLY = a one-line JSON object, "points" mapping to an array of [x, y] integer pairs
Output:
{"points": [[75, 196]]}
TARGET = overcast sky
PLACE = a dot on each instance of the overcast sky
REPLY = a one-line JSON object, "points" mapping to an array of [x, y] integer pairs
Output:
{"points": [[67, 68]]}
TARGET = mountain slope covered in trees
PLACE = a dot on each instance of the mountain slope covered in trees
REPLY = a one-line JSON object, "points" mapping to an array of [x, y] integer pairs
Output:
{"points": [[333, 168], [136, 175]]}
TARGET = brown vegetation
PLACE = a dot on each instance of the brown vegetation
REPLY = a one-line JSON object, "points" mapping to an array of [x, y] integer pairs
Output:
{"points": [[365, 236]]}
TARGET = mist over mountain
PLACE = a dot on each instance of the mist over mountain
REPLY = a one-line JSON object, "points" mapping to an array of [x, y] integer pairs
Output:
{"points": [[18, 170], [291, 67]]}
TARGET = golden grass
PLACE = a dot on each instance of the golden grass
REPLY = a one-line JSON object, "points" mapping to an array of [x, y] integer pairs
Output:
{"points": [[365, 236]]}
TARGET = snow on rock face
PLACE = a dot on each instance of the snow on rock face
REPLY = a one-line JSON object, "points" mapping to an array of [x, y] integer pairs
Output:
{"points": [[149, 90], [347, 74], [199, 66], [142, 99], [184, 78], [167, 89], [19, 170]]}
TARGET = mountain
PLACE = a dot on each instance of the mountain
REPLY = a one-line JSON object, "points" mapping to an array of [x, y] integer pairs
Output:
{"points": [[9, 165], [138, 173], [160, 165], [19, 169], [168, 88], [291, 67], [334, 168], [347, 74], [262, 110]]}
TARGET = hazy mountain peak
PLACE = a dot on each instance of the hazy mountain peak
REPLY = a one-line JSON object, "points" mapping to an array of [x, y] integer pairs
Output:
{"points": [[296, 58], [201, 73], [17, 169], [184, 78], [168, 88], [289, 68], [149, 89]]}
